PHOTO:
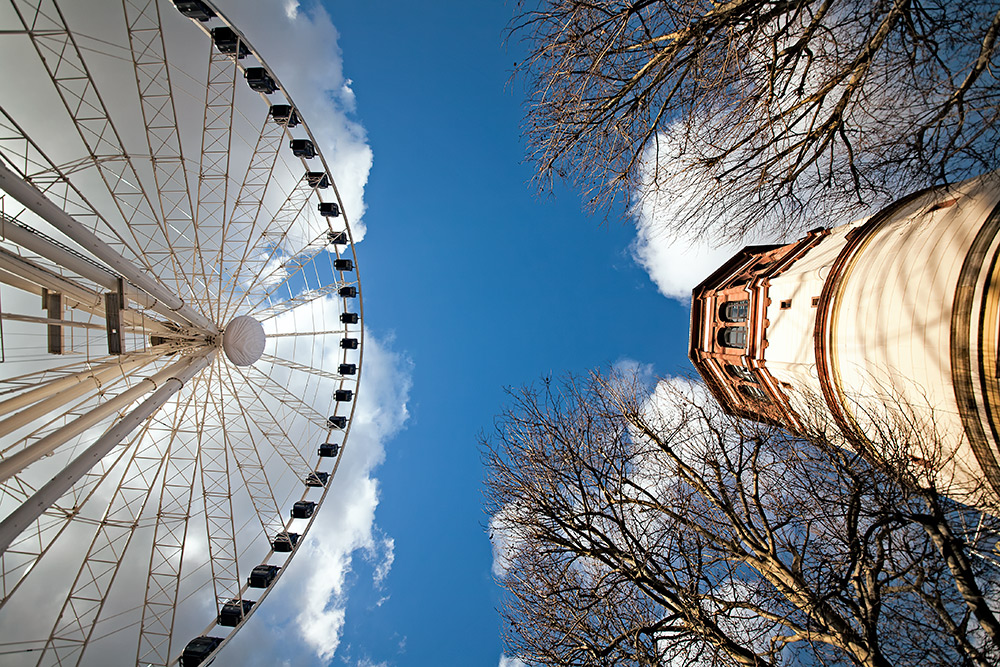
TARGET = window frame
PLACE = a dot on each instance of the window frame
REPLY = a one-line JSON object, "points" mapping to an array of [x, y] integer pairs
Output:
{"points": [[741, 308], [732, 337], [753, 392], [741, 373]]}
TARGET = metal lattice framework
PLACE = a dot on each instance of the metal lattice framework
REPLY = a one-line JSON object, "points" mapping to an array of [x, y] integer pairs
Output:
{"points": [[158, 190]]}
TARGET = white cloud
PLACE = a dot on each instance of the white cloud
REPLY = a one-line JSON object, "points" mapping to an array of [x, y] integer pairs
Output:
{"points": [[367, 662], [508, 661], [630, 368], [675, 262], [504, 540], [676, 266], [383, 555]]}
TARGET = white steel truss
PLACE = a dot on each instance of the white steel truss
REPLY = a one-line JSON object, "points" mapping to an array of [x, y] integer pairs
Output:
{"points": [[59, 52], [303, 368], [152, 76], [238, 234], [216, 144], [217, 494], [242, 438], [268, 264], [170, 535], [295, 301]]}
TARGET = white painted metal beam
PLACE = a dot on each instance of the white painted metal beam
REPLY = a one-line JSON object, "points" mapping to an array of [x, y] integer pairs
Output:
{"points": [[45, 497], [37, 202]]}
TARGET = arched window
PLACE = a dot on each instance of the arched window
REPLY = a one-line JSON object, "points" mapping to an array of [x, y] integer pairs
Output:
{"points": [[753, 393], [734, 311], [733, 336], [740, 373]]}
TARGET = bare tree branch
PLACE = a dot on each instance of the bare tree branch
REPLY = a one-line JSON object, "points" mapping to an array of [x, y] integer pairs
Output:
{"points": [[755, 115], [643, 529]]}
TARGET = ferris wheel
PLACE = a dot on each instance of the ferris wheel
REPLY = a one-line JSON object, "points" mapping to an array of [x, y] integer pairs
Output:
{"points": [[180, 331]]}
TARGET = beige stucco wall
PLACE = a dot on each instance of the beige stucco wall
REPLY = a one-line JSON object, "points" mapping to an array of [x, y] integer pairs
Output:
{"points": [[790, 354], [889, 331]]}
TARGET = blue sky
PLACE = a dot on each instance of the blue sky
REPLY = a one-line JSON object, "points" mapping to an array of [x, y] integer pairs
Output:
{"points": [[482, 284]]}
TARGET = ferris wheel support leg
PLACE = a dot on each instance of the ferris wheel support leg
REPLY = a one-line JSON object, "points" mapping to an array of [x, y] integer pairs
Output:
{"points": [[41, 277], [21, 235], [47, 444], [131, 319], [97, 374], [35, 506], [47, 402], [33, 199]]}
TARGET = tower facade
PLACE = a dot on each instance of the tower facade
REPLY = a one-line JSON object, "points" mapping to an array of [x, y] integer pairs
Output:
{"points": [[893, 317]]}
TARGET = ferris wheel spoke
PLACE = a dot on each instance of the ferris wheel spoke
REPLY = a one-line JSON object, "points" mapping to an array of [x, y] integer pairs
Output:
{"points": [[213, 172], [87, 596], [159, 115], [170, 533], [25, 156], [240, 436], [273, 421], [274, 236], [58, 51], [291, 334], [18, 488], [217, 493], [95, 408], [290, 407], [238, 231], [289, 270], [303, 368], [295, 301]]}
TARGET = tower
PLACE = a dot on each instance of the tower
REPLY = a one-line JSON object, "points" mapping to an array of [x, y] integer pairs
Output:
{"points": [[890, 317]]}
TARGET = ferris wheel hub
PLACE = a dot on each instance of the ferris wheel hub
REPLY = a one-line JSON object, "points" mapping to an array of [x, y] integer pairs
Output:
{"points": [[243, 340]]}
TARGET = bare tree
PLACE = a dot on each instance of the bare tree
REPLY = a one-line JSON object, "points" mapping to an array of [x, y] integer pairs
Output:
{"points": [[657, 530], [759, 111]]}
